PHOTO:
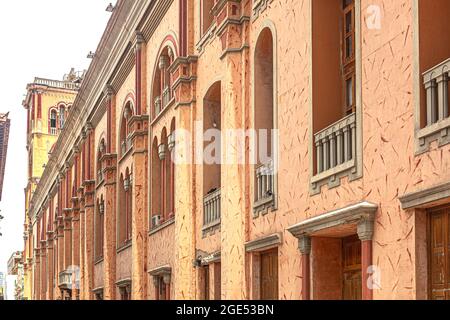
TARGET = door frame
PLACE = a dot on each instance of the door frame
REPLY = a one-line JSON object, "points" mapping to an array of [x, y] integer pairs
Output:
{"points": [[429, 213]]}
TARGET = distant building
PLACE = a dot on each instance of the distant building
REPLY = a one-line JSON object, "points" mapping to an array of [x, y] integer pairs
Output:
{"points": [[48, 104], [5, 124], [2, 286], [15, 268]]}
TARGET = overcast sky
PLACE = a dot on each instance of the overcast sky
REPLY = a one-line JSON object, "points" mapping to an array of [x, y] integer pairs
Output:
{"points": [[42, 38]]}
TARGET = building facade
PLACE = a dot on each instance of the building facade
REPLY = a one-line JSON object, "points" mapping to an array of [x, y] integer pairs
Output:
{"points": [[329, 178], [5, 125], [15, 268], [47, 104]]}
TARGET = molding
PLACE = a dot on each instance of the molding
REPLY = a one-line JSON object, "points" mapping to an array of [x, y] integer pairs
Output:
{"points": [[363, 211], [265, 243], [427, 197], [161, 271], [123, 283]]}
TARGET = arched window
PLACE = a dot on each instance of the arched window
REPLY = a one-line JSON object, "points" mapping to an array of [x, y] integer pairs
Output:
{"points": [[125, 208], [62, 116], [162, 86], [125, 141], [207, 16], [156, 184], [53, 122], [100, 153], [170, 169], [264, 115]]}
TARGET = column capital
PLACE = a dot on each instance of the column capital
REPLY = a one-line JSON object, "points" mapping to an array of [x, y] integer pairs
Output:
{"points": [[140, 39], [365, 229], [109, 91], [304, 244]]}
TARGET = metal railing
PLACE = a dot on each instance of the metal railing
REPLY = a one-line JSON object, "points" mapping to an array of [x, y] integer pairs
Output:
{"points": [[336, 145], [53, 131], [211, 209], [436, 81]]}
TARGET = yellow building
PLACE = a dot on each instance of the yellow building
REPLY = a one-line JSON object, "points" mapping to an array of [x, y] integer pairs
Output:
{"points": [[48, 103]]}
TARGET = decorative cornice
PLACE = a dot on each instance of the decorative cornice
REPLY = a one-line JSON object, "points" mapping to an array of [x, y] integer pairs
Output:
{"points": [[264, 243], [426, 198], [363, 211]]}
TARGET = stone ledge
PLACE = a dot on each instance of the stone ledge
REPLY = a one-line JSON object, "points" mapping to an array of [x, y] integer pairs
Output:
{"points": [[265, 243], [427, 197], [353, 213], [162, 226]]}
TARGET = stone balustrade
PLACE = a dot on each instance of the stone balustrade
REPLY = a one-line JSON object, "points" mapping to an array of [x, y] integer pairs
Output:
{"points": [[211, 209], [336, 145], [435, 81], [264, 186]]}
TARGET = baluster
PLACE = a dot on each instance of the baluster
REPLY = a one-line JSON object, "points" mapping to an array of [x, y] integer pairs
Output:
{"points": [[219, 201], [353, 137], [326, 154], [319, 155], [346, 145], [332, 150], [339, 146], [430, 88], [442, 83]]}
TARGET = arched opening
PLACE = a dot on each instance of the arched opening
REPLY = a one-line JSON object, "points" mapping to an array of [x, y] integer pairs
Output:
{"points": [[171, 171], [62, 116], [212, 122], [125, 140], [125, 208], [207, 17], [100, 153], [162, 84], [156, 204], [164, 157], [264, 114]]}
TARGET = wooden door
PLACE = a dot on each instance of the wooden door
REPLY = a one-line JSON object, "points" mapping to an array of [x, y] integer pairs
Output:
{"points": [[439, 254], [351, 267], [269, 275]]}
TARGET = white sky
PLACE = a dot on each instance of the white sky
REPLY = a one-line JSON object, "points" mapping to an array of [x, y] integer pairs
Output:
{"points": [[42, 38]]}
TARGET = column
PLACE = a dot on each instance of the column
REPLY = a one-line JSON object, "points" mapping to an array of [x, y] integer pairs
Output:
{"points": [[110, 228], [365, 234], [50, 268], [89, 195], [304, 245]]}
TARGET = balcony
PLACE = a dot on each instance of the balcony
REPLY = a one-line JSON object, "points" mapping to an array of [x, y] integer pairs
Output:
{"points": [[335, 151], [53, 131], [264, 188], [437, 127], [211, 211], [126, 145], [65, 280]]}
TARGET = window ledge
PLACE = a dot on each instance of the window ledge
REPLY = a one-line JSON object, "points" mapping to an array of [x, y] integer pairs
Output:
{"points": [[210, 229], [163, 111], [162, 226], [125, 155], [98, 261], [439, 132], [124, 247], [333, 176], [263, 206], [206, 38]]}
